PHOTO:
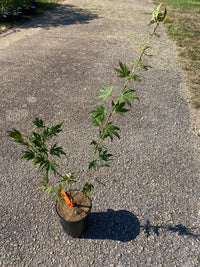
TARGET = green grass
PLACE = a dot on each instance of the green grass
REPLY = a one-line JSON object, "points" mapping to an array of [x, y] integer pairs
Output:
{"points": [[47, 4], [183, 5], [183, 26]]}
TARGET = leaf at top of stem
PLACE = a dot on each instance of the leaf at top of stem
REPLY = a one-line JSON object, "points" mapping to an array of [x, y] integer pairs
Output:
{"points": [[159, 14], [105, 93]]}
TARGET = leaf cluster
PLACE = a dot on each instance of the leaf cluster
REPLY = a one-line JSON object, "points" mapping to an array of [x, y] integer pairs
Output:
{"points": [[126, 96], [98, 115], [41, 153], [159, 14], [123, 70], [67, 180], [105, 93]]}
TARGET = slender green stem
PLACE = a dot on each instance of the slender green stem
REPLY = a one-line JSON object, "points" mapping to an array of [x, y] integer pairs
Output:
{"points": [[126, 83]]}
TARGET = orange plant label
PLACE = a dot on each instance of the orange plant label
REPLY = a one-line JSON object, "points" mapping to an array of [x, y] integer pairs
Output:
{"points": [[67, 199]]}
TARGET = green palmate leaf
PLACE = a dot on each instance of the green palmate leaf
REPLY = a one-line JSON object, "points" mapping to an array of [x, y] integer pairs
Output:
{"points": [[123, 71], [57, 151], [55, 129], [105, 93], [109, 131], [99, 111], [126, 95], [36, 139], [98, 121], [52, 131], [98, 115], [99, 182], [38, 123], [51, 166], [43, 150], [69, 178], [57, 191], [93, 165], [103, 155], [45, 164], [46, 133], [119, 108], [41, 161], [17, 137], [87, 189], [28, 154], [135, 77]]}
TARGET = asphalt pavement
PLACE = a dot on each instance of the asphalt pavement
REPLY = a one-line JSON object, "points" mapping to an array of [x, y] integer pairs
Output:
{"points": [[53, 67]]}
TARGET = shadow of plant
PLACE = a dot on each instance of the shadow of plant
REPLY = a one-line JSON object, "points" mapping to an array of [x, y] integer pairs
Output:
{"points": [[179, 228], [124, 226], [62, 15]]}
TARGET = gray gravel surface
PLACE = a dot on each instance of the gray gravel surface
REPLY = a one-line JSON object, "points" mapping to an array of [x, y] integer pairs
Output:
{"points": [[53, 67]]}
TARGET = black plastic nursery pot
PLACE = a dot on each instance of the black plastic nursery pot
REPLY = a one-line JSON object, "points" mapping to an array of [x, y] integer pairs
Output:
{"points": [[77, 227]]}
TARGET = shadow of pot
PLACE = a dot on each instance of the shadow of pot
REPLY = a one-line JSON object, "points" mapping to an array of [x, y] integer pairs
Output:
{"points": [[120, 225]]}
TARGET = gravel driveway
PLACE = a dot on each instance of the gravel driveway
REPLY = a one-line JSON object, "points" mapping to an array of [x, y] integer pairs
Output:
{"points": [[53, 67]]}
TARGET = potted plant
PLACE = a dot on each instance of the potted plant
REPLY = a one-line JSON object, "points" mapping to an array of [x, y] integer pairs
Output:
{"points": [[73, 206]]}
